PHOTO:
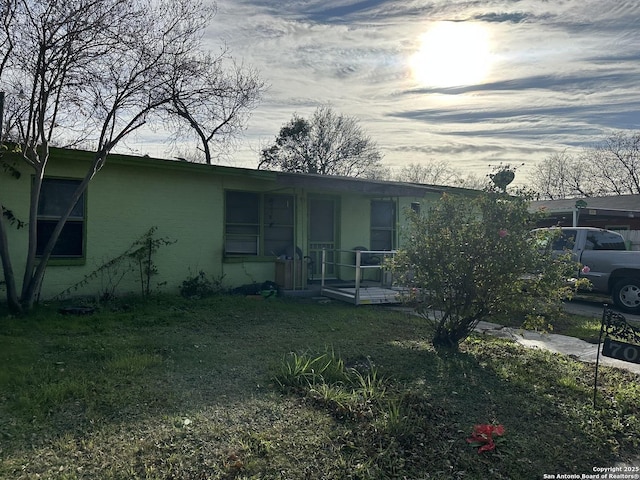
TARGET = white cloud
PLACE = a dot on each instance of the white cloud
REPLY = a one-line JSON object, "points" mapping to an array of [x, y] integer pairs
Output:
{"points": [[562, 74]]}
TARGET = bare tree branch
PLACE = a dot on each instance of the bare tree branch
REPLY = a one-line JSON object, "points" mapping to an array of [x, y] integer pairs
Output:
{"points": [[213, 100], [611, 167], [94, 71]]}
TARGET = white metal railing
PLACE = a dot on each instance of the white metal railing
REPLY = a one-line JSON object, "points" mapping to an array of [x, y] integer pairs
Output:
{"points": [[358, 265], [315, 257]]}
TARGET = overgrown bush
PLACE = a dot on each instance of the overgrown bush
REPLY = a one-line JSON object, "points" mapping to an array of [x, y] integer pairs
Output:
{"points": [[142, 253], [137, 259], [199, 286], [471, 257]]}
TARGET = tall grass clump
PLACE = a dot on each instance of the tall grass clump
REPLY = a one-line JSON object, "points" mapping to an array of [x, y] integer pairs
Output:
{"points": [[304, 370], [325, 378]]}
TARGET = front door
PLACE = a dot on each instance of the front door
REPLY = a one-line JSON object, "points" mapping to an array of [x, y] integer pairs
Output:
{"points": [[322, 236]]}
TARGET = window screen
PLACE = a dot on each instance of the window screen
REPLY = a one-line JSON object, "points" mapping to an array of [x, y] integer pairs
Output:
{"points": [[383, 222], [55, 197], [259, 224]]}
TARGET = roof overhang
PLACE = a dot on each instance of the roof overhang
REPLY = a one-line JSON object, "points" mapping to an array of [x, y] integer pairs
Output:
{"points": [[330, 183], [307, 181]]}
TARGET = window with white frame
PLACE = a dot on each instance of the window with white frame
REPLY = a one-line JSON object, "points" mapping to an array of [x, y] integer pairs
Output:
{"points": [[258, 224], [55, 196]]}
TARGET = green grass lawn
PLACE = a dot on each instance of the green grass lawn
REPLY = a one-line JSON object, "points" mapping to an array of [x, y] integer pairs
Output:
{"points": [[177, 389]]}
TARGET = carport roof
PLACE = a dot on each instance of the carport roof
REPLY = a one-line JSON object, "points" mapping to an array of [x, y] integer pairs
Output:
{"points": [[614, 206]]}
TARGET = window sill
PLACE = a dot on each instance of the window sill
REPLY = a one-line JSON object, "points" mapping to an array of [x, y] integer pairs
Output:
{"points": [[68, 262], [247, 258]]}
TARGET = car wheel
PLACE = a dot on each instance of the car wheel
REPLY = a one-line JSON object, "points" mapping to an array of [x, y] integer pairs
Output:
{"points": [[626, 295]]}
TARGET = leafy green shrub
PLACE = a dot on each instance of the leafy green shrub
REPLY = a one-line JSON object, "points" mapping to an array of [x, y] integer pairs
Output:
{"points": [[471, 257]]}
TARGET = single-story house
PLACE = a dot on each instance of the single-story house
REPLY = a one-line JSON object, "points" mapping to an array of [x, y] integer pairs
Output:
{"points": [[619, 212], [237, 225]]}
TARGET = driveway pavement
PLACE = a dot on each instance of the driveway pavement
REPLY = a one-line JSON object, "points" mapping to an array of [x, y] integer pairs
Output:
{"points": [[592, 306], [574, 347], [579, 349]]}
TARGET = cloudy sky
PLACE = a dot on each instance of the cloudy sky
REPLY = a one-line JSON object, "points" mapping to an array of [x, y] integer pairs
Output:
{"points": [[471, 82]]}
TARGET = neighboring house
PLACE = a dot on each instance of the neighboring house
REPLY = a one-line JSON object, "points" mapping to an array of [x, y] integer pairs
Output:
{"points": [[239, 225], [620, 213]]}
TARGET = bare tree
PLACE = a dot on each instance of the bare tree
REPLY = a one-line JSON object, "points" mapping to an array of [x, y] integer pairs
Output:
{"points": [[213, 101], [439, 172], [378, 172], [434, 172], [615, 164], [562, 175], [90, 69], [471, 181], [327, 144], [8, 11], [610, 167]]}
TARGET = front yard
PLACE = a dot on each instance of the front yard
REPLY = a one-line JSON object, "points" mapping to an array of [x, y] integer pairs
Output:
{"points": [[177, 389]]}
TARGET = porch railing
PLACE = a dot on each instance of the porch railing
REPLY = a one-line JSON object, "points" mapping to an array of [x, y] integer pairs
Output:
{"points": [[331, 259]]}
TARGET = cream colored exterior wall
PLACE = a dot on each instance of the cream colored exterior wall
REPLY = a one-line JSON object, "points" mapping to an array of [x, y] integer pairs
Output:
{"points": [[185, 202], [122, 203]]}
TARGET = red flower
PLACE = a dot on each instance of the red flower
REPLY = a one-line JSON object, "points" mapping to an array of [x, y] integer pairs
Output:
{"points": [[482, 436], [503, 232], [487, 447]]}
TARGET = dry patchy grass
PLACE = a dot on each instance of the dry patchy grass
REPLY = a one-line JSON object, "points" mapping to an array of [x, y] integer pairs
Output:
{"points": [[177, 389]]}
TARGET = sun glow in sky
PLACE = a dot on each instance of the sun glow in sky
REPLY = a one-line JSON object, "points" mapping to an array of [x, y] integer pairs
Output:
{"points": [[452, 54], [473, 83]]}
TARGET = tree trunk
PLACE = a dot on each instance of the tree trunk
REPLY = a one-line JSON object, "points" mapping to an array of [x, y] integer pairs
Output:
{"points": [[33, 224], [444, 340], [34, 276], [9, 278]]}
